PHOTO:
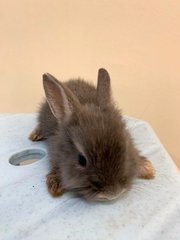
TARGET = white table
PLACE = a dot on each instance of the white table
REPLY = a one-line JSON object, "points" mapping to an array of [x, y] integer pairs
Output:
{"points": [[151, 210]]}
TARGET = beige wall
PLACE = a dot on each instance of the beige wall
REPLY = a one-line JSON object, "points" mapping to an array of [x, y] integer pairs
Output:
{"points": [[137, 41]]}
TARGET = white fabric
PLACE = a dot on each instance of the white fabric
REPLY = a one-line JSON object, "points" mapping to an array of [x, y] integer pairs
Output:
{"points": [[151, 210]]}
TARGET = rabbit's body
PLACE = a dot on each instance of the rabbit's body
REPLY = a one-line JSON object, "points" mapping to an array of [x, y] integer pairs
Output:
{"points": [[89, 147]]}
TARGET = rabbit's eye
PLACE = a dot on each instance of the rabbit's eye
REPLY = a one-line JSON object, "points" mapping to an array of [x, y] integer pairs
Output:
{"points": [[97, 184], [82, 160]]}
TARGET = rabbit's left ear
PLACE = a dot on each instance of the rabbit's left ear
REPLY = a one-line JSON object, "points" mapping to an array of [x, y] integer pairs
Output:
{"points": [[103, 88], [61, 100]]}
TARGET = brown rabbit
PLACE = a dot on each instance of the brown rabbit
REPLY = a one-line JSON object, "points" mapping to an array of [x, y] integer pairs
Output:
{"points": [[90, 150]]}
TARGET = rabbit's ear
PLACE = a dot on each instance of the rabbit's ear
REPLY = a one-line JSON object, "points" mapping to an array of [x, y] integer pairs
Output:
{"points": [[61, 100], [103, 88]]}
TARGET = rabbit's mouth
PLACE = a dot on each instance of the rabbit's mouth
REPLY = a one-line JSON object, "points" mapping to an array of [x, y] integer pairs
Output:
{"points": [[91, 195], [109, 196]]}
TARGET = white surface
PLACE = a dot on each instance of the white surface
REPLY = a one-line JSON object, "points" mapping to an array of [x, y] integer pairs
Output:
{"points": [[151, 210]]}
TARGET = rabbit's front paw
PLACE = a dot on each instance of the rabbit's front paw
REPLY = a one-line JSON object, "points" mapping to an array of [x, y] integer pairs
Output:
{"points": [[146, 169], [54, 184]]}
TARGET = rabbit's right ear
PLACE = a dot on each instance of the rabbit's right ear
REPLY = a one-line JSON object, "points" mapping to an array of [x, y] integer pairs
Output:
{"points": [[61, 100], [103, 88]]}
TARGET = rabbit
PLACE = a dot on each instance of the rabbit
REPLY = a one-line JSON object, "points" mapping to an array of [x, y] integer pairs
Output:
{"points": [[90, 149]]}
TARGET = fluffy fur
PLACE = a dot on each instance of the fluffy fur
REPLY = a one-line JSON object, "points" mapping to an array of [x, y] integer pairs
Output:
{"points": [[78, 118]]}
